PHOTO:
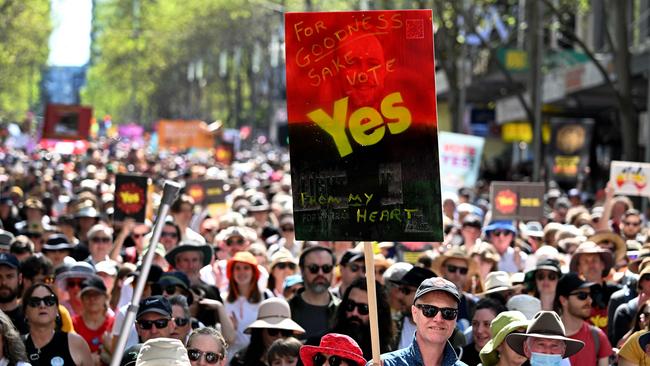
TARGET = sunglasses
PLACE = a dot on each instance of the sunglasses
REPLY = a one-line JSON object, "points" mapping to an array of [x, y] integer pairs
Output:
{"points": [[137, 235], [287, 228], [582, 296], [629, 223], [500, 232], [100, 240], [35, 302], [230, 242], [148, 324], [285, 265], [355, 267], [71, 284], [210, 357], [539, 276], [168, 235], [273, 332], [319, 359], [314, 268], [170, 290], [181, 322], [361, 308], [454, 269], [430, 311], [405, 290]]}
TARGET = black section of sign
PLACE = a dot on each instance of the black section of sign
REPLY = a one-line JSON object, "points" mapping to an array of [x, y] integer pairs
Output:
{"points": [[517, 200], [131, 197]]}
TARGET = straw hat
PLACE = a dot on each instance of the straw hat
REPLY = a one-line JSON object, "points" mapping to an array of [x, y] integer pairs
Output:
{"points": [[274, 313], [282, 255], [619, 243], [334, 344], [504, 324], [455, 253], [589, 247], [546, 325], [496, 281]]}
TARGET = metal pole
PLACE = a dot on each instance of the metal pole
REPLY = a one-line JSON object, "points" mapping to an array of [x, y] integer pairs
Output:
{"points": [[536, 44], [170, 191]]}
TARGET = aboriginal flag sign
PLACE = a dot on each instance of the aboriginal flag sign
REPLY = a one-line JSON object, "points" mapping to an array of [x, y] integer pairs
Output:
{"points": [[131, 197], [361, 105]]}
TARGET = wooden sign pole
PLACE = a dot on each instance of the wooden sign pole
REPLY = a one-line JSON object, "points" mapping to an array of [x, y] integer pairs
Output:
{"points": [[372, 301]]}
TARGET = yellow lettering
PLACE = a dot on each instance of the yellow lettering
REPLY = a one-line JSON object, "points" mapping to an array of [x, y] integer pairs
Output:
{"points": [[129, 198], [385, 215], [373, 216], [408, 212], [335, 125], [368, 197], [359, 216], [364, 120], [395, 214], [399, 113]]}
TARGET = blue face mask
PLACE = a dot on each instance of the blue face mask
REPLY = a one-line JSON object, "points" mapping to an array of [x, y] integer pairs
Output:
{"points": [[542, 359]]}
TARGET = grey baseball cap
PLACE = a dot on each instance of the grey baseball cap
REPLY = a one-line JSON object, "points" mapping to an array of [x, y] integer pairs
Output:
{"points": [[437, 284]]}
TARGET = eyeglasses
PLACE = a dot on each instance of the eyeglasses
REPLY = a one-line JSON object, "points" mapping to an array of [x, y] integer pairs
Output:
{"points": [[148, 324], [582, 296], [405, 290], [285, 265], [454, 269], [314, 268], [73, 283], [430, 311], [319, 360], [361, 308], [230, 242], [540, 276], [356, 267], [210, 357], [629, 223], [35, 302], [168, 235], [181, 322], [273, 332], [100, 240], [287, 228], [500, 232]]}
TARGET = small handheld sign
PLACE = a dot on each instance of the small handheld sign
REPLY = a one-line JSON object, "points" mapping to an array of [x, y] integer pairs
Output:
{"points": [[131, 197], [517, 200], [630, 178]]}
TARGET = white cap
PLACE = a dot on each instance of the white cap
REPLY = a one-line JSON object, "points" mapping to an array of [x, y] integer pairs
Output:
{"points": [[527, 304]]}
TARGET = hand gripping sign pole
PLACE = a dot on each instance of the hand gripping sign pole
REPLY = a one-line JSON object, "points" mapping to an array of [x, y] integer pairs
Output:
{"points": [[369, 257], [170, 191]]}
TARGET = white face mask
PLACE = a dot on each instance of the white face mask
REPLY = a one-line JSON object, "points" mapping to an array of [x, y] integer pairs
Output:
{"points": [[542, 359]]}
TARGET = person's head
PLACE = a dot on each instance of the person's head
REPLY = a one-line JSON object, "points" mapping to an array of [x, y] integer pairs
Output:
{"points": [[206, 347], [182, 317], [409, 284], [100, 241], [591, 261], [40, 306], [496, 349], [333, 349], [454, 265], [107, 271], [11, 345], [209, 229], [574, 296], [486, 310], [154, 318], [544, 278], [243, 273], [486, 257], [189, 257], [21, 247], [56, 248], [471, 229], [292, 284], [284, 352], [352, 267], [643, 284], [316, 265], [94, 295], [642, 318], [234, 239], [283, 265], [170, 235], [182, 209], [501, 234], [138, 235], [36, 269], [631, 223], [434, 311], [10, 278]]}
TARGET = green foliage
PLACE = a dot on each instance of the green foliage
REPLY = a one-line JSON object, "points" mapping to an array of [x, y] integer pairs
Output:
{"points": [[24, 31]]}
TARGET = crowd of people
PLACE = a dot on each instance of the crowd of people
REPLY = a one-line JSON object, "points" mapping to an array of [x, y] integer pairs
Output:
{"points": [[237, 288]]}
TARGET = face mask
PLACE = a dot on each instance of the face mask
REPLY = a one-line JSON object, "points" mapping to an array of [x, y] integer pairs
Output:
{"points": [[542, 359]]}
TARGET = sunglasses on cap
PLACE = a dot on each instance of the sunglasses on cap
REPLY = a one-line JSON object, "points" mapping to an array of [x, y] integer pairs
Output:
{"points": [[361, 308], [35, 301], [582, 296], [430, 311], [181, 322], [230, 242], [168, 235], [274, 332], [356, 267], [454, 269], [551, 276], [148, 324], [314, 268], [319, 360], [210, 357]]}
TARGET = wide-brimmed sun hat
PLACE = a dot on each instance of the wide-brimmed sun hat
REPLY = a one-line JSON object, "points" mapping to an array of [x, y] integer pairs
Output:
{"points": [[242, 257], [589, 247], [334, 344], [504, 324], [546, 325], [454, 253], [610, 236], [497, 281], [275, 313], [187, 246]]}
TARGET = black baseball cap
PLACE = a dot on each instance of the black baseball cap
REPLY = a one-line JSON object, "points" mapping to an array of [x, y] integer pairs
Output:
{"points": [[415, 276], [437, 284], [155, 304], [570, 282], [351, 256], [93, 283], [9, 260]]}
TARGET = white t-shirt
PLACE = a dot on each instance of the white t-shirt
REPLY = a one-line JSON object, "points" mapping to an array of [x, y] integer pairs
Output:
{"points": [[245, 313], [117, 327]]}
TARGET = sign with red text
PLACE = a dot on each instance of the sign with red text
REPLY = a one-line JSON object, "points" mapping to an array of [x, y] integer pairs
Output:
{"points": [[517, 200], [66, 122], [131, 197], [630, 178], [460, 160], [361, 105]]}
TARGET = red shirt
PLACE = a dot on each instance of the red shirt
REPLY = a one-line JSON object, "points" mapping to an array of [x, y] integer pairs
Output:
{"points": [[587, 355], [95, 337]]}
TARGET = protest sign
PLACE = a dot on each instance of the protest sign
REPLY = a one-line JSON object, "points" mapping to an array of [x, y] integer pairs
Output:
{"points": [[178, 135], [568, 155], [206, 191], [131, 197], [517, 200], [225, 153], [66, 122], [362, 125], [630, 178], [460, 160]]}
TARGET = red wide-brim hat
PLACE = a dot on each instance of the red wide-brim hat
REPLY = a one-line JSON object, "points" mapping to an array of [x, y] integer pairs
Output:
{"points": [[334, 344]]}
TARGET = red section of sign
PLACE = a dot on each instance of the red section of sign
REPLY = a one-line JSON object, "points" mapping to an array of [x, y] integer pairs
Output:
{"points": [[66, 122], [197, 192], [363, 71], [130, 198], [506, 202]]}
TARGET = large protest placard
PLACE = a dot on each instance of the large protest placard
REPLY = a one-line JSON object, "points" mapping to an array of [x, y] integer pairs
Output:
{"points": [[131, 192], [362, 119], [630, 178], [66, 122], [568, 155], [517, 200], [206, 191], [178, 135], [460, 160]]}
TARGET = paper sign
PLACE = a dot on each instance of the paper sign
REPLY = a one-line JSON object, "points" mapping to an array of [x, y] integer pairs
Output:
{"points": [[630, 178], [131, 197], [517, 200], [460, 160], [362, 126], [66, 122]]}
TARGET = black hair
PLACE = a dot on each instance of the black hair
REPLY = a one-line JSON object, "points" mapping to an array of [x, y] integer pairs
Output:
{"points": [[488, 303], [34, 265], [303, 255]]}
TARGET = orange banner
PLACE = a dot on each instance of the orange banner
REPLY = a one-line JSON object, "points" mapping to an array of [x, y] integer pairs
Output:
{"points": [[184, 134]]}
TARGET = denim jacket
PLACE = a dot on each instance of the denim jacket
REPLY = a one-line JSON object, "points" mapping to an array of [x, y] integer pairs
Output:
{"points": [[411, 356]]}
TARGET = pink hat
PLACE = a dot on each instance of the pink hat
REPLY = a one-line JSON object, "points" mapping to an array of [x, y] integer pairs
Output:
{"points": [[334, 344]]}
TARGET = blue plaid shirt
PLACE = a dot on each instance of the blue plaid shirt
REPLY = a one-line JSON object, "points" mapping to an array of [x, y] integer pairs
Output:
{"points": [[411, 356]]}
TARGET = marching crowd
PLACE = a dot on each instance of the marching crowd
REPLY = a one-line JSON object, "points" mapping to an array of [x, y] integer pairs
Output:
{"points": [[237, 288]]}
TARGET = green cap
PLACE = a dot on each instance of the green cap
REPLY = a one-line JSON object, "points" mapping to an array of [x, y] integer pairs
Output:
{"points": [[160, 250], [504, 324]]}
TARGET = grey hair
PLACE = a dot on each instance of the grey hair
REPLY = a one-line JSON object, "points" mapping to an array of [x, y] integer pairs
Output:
{"points": [[181, 301], [212, 332]]}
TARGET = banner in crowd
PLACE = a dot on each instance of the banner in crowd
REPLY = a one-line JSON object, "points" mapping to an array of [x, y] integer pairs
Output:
{"points": [[178, 135], [568, 155], [66, 122], [206, 191], [361, 105], [131, 192], [460, 160], [517, 200], [630, 178]]}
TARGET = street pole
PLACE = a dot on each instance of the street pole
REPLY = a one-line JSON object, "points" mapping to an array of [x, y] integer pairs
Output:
{"points": [[535, 86]]}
